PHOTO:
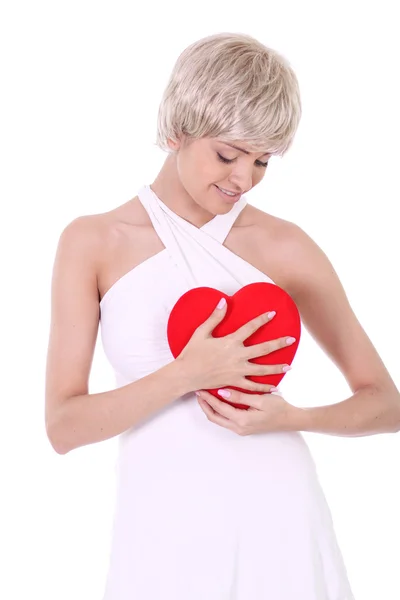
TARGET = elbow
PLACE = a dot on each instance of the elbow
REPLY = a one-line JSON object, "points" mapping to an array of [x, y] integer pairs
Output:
{"points": [[57, 436], [56, 443], [393, 397], [396, 404], [397, 422]]}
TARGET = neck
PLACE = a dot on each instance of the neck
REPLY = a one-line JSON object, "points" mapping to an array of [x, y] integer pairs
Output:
{"points": [[168, 187]]}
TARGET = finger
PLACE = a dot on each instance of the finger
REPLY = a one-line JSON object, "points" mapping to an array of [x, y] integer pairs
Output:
{"points": [[264, 348], [213, 416], [251, 327], [215, 318], [254, 369], [224, 409], [255, 401], [253, 386], [252, 400], [277, 392]]}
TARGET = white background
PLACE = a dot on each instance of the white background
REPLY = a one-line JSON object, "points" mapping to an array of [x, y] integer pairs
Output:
{"points": [[81, 83]]}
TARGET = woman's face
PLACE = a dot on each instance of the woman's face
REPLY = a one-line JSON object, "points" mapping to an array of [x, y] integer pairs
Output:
{"points": [[201, 168]]}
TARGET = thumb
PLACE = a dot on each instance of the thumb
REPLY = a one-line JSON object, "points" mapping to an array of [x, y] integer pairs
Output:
{"points": [[216, 317]]}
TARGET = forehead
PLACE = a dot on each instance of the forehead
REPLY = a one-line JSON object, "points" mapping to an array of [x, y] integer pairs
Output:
{"points": [[241, 146]]}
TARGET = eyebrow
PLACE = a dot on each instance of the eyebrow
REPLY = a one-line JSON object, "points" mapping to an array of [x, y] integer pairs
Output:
{"points": [[241, 149]]}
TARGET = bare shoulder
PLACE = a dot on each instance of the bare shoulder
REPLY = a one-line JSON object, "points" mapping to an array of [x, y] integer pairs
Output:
{"points": [[269, 243], [289, 250], [82, 234], [301, 260], [308, 275], [269, 231], [123, 224], [117, 241], [96, 237], [263, 222], [103, 227]]}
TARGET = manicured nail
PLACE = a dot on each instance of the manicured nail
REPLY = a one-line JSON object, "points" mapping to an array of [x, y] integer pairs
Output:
{"points": [[224, 393], [197, 393], [290, 340], [286, 368], [271, 314], [274, 389], [221, 303]]}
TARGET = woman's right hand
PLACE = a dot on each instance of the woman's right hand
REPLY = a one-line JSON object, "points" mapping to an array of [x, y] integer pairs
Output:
{"points": [[210, 362]]}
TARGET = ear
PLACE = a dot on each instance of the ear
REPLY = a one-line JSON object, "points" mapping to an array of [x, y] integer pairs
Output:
{"points": [[174, 144]]}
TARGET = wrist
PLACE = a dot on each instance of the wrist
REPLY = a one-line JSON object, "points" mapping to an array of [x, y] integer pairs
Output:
{"points": [[298, 418], [181, 381]]}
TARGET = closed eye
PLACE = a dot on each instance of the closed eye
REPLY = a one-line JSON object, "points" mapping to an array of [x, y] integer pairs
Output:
{"points": [[227, 160]]}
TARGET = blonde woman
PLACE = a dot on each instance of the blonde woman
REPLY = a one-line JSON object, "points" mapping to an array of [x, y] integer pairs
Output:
{"points": [[213, 502]]}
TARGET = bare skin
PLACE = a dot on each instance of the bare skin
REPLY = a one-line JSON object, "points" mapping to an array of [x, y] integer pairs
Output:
{"points": [[95, 251], [128, 238]]}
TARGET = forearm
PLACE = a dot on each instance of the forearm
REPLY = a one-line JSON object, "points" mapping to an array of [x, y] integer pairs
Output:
{"points": [[91, 418], [369, 411]]}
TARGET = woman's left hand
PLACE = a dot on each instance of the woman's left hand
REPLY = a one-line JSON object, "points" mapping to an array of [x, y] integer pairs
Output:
{"points": [[267, 413]]}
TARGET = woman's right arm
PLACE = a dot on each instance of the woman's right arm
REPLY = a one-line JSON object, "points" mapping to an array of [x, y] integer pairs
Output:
{"points": [[73, 416], [76, 418]]}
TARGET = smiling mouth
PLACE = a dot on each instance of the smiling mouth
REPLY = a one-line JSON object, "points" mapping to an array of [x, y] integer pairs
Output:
{"points": [[228, 193]]}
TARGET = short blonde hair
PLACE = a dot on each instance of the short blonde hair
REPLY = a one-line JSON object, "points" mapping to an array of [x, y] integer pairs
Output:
{"points": [[231, 86]]}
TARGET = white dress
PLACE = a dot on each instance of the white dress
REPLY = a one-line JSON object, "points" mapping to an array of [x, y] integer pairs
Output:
{"points": [[201, 512]]}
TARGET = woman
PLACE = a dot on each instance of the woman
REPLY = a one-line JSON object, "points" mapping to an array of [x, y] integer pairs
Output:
{"points": [[213, 502]]}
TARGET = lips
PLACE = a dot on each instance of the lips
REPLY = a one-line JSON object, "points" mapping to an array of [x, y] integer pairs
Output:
{"points": [[227, 197], [233, 194]]}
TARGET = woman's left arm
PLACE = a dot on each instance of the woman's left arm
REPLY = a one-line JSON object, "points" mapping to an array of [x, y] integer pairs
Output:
{"points": [[325, 310], [307, 274]]}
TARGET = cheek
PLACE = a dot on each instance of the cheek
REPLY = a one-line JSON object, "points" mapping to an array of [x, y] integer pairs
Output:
{"points": [[201, 171], [258, 176], [210, 173]]}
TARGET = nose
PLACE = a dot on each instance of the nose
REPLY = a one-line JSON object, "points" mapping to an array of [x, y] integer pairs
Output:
{"points": [[241, 179]]}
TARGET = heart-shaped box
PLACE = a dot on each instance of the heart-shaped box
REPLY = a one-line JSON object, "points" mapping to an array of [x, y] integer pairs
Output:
{"points": [[195, 306]]}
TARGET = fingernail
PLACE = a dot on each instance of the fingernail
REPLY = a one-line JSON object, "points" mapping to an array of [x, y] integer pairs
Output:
{"points": [[224, 393], [221, 303], [286, 368], [274, 389], [197, 393], [271, 314], [290, 340]]}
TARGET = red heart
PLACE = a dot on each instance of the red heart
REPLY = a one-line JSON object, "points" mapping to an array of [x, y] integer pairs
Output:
{"points": [[196, 305]]}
